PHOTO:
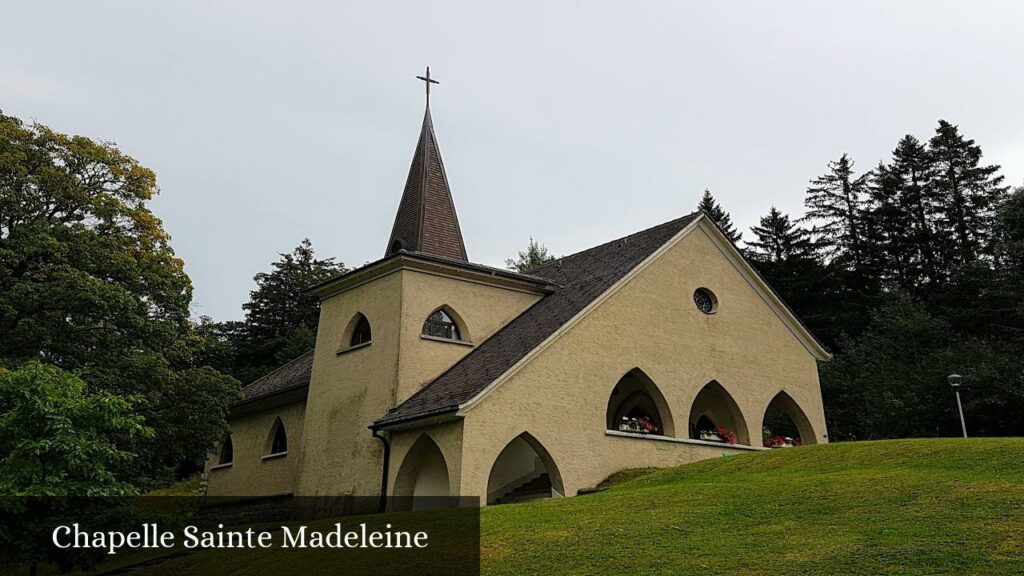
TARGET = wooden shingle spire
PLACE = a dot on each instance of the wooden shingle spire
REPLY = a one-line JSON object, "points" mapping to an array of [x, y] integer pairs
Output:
{"points": [[426, 221]]}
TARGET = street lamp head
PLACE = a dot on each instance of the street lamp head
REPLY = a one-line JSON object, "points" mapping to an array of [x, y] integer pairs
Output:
{"points": [[954, 380]]}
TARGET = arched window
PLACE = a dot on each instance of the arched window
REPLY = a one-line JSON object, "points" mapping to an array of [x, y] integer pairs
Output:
{"points": [[360, 331], [278, 439], [715, 416], [441, 325], [636, 405], [227, 451], [785, 424]]}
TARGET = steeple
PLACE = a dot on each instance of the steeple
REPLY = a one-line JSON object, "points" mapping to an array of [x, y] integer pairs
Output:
{"points": [[426, 220]]}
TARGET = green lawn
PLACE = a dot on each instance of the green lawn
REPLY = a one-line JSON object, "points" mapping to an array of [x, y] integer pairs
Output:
{"points": [[894, 507]]}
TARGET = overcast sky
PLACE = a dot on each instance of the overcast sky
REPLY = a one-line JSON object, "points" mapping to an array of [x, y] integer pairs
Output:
{"points": [[572, 122]]}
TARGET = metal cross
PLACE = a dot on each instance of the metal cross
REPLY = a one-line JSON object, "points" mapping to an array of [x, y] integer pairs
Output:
{"points": [[428, 81]]}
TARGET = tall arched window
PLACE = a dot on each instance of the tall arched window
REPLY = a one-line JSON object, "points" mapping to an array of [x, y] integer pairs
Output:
{"points": [[441, 325], [636, 405], [785, 424], [715, 416], [227, 451], [360, 332], [278, 439]]}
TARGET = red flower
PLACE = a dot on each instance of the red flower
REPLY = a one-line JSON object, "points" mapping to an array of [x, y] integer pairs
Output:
{"points": [[726, 435]]}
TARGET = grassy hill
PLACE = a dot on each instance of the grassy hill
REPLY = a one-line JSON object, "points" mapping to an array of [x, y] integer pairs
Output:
{"points": [[893, 507]]}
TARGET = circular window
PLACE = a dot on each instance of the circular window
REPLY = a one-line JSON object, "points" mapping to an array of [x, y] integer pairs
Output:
{"points": [[705, 300]]}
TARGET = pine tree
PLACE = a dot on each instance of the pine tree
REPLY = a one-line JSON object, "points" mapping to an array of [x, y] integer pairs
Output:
{"points": [[536, 254], [913, 171], [835, 206], [709, 206], [779, 239], [281, 316], [889, 244], [280, 302], [967, 192]]}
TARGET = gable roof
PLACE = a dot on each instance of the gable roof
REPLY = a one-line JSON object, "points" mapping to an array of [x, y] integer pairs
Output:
{"points": [[293, 375], [583, 278], [426, 220]]}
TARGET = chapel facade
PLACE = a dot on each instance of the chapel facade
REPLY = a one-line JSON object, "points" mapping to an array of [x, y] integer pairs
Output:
{"points": [[435, 376]]}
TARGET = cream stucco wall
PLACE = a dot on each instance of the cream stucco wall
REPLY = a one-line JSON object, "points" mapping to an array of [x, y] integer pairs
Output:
{"points": [[560, 396], [350, 390], [250, 474], [479, 309]]}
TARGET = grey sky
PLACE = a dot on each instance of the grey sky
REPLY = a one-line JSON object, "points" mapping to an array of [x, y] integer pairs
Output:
{"points": [[571, 122]]}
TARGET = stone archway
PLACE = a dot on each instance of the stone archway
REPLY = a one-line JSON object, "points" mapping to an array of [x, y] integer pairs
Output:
{"points": [[785, 423], [637, 405], [523, 471], [714, 408], [422, 481]]}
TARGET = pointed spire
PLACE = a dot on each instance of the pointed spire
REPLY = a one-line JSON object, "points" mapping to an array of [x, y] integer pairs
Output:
{"points": [[426, 220]]}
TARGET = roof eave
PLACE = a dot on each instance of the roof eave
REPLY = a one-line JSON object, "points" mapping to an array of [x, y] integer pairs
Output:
{"points": [[426, 263]]}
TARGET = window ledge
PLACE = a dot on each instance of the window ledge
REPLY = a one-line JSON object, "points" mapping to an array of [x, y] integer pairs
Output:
{"points": [[657, 438], [353, 348], [446, 340], [222, 466], [275, 455]]}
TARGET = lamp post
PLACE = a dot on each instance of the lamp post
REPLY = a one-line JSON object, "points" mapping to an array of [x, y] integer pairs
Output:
{"points": [[954, 381]]}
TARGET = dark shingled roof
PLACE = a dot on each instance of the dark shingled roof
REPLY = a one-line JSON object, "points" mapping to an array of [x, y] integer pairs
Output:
{"points": [[292, 375], [583, 278], [426, 220]]}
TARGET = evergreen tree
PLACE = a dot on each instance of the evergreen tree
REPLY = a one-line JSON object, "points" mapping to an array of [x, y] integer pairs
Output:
{"points": [[835, 206], [1010, 229], [890, 249], [709, 206], [913, 171], [536, 254], [967, 194], [785, 256], [779, 240], [281, 316], [280, 303]]}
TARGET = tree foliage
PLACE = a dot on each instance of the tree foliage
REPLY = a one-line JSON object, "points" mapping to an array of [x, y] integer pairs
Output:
{"points": [[835, 208], [536, 254], [89, 283], [712, 208], [58, 439], [280, 317], [914, 272]]}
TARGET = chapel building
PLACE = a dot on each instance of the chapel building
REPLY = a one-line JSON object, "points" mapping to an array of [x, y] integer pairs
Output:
{"points": [[435, 376]]}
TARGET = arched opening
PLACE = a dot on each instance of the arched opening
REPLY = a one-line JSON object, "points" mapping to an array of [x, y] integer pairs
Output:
{"points": [[277, 440], [358, 331], [227, 451], [716, 417], [785, 424], [637, 405], [523, 471], [443, 323], [396, 246], [422, 481]]}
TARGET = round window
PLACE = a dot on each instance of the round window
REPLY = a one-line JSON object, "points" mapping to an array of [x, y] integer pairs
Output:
{"points": [[705, 300]]}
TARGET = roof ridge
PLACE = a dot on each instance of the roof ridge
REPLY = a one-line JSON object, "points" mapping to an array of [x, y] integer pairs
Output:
{"points": [[610, 242]]}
